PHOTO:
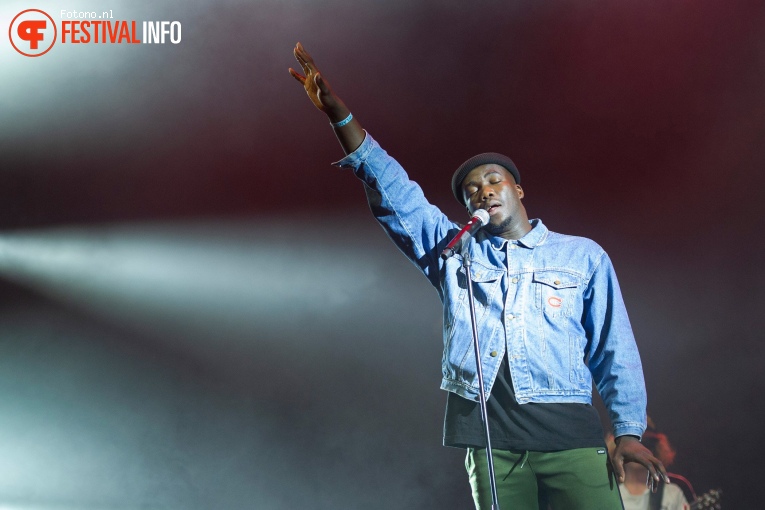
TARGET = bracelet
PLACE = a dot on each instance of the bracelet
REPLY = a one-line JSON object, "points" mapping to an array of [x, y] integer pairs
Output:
{"points": [[342, 122]]}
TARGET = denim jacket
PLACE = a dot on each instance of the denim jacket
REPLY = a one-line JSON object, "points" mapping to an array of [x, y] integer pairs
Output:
{"points": [[548, 302]]}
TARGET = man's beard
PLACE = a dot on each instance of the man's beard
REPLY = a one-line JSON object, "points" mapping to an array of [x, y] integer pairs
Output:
{"points": [[497, 230]]}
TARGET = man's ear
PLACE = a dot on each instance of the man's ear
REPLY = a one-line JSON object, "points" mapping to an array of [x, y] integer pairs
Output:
{"points": [[519, 190]]}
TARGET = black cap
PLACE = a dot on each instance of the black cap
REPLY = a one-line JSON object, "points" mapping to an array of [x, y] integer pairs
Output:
{"points": [[487, 158]]}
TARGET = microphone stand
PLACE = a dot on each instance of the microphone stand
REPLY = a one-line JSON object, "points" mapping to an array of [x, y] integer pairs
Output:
{"points": [[466, 263]]}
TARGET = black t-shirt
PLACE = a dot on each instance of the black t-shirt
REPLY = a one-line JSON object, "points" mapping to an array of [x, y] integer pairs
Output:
{"points": [[538, 427]]}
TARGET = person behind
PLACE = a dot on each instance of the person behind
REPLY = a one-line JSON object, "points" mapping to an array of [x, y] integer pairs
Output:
{"points": [[636, 492], [550, 320]]}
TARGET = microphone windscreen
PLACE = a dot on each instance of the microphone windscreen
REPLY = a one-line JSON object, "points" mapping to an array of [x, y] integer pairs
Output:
{"points": [[482, 215]]}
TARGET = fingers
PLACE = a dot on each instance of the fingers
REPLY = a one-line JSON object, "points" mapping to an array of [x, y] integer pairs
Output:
{"points": [[656, 470], [302, 62], [304, 54], [652, 480], [297, 76], [656, 474], [662, 472], [304, 59]]}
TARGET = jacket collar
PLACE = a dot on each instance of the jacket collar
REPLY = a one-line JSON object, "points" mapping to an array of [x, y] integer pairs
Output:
{"points": [[533, 237]]}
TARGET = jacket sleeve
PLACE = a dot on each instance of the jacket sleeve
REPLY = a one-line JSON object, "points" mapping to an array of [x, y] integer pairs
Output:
{"points": [[612, 353], [418, 228]]}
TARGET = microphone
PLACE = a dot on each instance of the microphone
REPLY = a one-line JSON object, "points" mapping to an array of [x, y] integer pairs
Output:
{"points": [[479, 219]]}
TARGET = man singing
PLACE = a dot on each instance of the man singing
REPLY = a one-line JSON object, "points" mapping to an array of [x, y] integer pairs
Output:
{"points": [[550, 320]]}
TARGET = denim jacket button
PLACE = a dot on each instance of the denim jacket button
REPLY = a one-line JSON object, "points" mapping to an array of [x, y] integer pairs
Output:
{"points": [[493, 354], [515, 280]]}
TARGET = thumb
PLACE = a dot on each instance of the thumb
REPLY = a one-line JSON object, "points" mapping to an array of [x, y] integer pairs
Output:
{"points": [[618, 464], [319, 81]]}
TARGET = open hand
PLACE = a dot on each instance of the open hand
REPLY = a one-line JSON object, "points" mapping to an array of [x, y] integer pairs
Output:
{"points": [[317, 89], [629, 449]]}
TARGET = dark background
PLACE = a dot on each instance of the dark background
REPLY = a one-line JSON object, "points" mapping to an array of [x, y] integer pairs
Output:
{"points": [[197, 311]]}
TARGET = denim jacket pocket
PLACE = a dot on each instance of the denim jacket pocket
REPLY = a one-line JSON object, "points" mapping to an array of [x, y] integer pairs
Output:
{"points": [[555, 292], [486, 285], [459, 361]]}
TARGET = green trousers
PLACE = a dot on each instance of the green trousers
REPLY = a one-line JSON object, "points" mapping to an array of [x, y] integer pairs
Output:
{"points": [[579, 479]]}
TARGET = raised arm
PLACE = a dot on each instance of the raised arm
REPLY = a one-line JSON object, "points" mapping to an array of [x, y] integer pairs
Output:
{"points": [[321, 95]]}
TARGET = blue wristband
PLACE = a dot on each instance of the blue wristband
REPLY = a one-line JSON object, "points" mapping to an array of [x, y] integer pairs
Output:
{"points": [[342, 122]]}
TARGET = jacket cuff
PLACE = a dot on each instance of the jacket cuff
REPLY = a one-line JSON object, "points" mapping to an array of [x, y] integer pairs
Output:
{"points": [[355, 159], [629, 429]]}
